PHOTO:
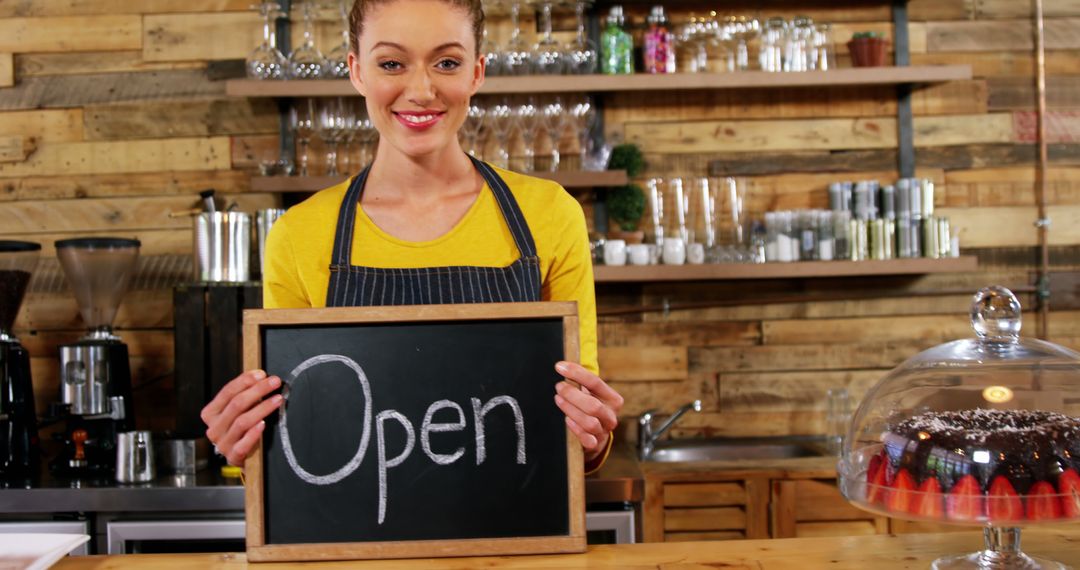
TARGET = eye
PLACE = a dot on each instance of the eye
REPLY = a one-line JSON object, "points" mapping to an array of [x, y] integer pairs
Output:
{"points": [[390, 65], [448, 64]]}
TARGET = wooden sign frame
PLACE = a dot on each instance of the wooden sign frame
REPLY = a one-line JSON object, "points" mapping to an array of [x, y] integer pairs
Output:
{"points": [[257, 548]]}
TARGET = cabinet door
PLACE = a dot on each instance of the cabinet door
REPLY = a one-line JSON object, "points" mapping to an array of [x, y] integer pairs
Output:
{"points": [[707, 510], [815, 507]]}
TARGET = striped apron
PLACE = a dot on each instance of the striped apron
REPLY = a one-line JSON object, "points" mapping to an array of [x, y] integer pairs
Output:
{"points": [[356, 286]]}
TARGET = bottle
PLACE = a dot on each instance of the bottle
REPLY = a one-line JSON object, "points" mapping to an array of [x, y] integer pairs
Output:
{"points": [[659, 43], [616, 45]]}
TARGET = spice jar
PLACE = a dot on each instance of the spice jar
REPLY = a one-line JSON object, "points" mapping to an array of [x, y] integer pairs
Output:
{"points": [[659, 43]]}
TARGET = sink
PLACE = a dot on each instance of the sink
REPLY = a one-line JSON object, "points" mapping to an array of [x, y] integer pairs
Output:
{"points": [[731, 449]]}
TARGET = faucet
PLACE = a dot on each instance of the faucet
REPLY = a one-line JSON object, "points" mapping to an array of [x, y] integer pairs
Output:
{"points": [[647, 436]]}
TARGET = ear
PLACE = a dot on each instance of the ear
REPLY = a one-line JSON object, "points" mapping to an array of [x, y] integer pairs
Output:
{"points": [[478, 74], [354, 74]]}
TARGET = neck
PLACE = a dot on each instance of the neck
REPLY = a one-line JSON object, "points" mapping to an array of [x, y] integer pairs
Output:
{"points": [[419, 176]]}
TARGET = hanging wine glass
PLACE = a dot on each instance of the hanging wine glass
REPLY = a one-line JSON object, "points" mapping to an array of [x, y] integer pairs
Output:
{"points": [[266, 62], [516, 58], [337, 61], [368, 135], [581, 51], [552, 116], [306, 61], [584, 113], [302, 124], [547, 53], [489, 50], [474, 121]]}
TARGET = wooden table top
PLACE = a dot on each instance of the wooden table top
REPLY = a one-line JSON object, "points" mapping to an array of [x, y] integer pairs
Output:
{"points": [[884, 552]]}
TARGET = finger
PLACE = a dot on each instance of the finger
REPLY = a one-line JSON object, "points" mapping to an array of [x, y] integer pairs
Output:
{"points": [[240, 404], [588, 440], [242, 448], [589, 405], [596, 385], [588, 423], [247, 420], [229, 391]]}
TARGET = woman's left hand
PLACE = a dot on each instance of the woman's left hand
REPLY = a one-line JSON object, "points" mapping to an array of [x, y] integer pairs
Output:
{"points": [[592, 411]]}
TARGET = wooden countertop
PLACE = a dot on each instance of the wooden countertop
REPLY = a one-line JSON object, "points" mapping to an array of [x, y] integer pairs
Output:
{"points": [[884, 552]]}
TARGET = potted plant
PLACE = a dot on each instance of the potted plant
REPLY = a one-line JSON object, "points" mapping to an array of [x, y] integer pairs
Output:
{"points": [[626, 204], [868, 49]]}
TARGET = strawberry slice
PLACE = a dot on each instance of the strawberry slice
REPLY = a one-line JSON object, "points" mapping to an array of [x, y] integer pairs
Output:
{"points": [[1004, 504], [901, 496], [927, 501], [1042, 505], [965, 500], [1069, 489], [875, 479]]}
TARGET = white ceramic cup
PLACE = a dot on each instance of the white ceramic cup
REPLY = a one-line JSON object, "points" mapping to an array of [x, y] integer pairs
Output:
{"points": [[695, 253], [615, 252], [638, 253], [674, 251]]}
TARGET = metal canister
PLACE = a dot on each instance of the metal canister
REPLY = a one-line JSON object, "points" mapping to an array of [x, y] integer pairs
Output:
{"points": [[223, 246]]}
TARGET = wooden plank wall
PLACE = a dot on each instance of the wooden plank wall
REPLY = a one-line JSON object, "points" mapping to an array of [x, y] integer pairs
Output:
{"points": [[109, 120]]}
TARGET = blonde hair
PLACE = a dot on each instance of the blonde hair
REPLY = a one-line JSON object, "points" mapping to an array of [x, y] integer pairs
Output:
{"points": [[361, 8]]}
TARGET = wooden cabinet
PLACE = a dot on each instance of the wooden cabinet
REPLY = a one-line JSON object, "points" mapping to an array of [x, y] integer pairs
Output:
{"points": [[706, 510], [815, 507]]}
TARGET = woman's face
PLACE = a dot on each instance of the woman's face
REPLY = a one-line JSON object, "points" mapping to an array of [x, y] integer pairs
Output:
{"points": [[417, 69]]}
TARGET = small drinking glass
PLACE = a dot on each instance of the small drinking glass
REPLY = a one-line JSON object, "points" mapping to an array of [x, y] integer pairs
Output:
{"points": [[266, 62], [702, 213], [837, 417], [306, 61]]}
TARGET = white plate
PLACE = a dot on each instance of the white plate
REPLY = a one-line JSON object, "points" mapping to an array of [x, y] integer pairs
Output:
{"points": [[36, 551]]}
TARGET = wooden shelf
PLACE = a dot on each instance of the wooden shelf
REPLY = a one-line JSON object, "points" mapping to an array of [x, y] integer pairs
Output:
{"points": [[636, 82], [316, 183], [797, 270]]}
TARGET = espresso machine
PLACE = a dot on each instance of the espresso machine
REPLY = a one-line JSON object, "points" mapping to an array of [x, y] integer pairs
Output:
{"points": [[95, 373], [19, 449]]}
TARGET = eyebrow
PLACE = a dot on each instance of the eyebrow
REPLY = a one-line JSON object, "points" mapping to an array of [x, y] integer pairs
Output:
{"points": [[440, 47]]}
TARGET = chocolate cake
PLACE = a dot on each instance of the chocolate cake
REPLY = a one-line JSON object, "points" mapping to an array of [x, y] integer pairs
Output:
{"points": [[1001, 465]]}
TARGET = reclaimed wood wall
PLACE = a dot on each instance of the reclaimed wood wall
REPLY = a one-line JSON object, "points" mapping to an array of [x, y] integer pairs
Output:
{"points": [[112, 115]]}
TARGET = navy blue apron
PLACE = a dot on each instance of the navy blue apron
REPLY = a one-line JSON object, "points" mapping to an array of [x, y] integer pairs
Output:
{"points": [[356, 286]]}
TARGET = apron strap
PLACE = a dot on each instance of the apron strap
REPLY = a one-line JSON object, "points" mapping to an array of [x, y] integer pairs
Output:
{"points": [[509, 206]]}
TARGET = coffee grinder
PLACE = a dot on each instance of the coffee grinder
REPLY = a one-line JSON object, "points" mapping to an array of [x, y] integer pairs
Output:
{"points": [[95, 374], [19, 450]]}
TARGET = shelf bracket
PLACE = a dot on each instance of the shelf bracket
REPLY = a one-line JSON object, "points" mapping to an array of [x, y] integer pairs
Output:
{"points": [[905, 128]]}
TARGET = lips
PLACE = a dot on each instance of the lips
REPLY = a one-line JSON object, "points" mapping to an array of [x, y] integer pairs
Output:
{"points": [[419, 120]]}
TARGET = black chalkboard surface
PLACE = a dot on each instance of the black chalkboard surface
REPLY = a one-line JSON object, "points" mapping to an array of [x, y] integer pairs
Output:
{"points": [[414, 431]]}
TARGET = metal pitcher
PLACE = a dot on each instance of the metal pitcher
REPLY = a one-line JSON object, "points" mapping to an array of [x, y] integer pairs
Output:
{"points": [[134, 457]]}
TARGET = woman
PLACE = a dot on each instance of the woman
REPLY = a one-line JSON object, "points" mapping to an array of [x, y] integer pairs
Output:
{"points": [[426, 223]]}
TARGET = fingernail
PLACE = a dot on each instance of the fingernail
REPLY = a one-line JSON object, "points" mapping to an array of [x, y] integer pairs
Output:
{"points": [[562, 368], [559, 399], [259, 374], [560, 386], [277, 398], [275, 381]]}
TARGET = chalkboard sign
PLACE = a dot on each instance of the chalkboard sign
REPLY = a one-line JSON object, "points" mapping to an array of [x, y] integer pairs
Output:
{"points": [[414, 432]]}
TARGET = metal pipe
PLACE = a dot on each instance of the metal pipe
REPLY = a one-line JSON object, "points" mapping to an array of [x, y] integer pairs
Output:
{"points": [[1043, 222]]}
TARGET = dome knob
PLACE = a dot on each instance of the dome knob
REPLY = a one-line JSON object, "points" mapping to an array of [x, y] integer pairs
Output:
{"points": [[995, 314]]}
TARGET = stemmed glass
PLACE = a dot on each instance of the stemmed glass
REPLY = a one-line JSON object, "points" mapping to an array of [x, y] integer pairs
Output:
{"points": [[266, 62], [552, 116], [366, 134], [581, 51], [306, 62], [474, 122], [583, 113], [547, 53], [527, 117], [302, 124], [735, 190], [337, 62], [516, 58], [492, 56], [500, 120], [334, 117]]}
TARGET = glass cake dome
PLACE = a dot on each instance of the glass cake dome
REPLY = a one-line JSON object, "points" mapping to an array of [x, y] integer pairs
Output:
{"points": [[982, 431]]}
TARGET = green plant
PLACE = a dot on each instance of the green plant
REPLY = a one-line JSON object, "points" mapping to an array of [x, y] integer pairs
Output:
{"points": [[626, 205], [628, 157], [865, 35]]}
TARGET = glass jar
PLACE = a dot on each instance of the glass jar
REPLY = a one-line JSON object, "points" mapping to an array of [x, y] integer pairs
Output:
{"points": [[616, 45], [659, 52], [773, 35], [826, 240]]}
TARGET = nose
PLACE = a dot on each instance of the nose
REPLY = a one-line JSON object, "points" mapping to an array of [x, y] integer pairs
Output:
{"points": [[420, 90]]}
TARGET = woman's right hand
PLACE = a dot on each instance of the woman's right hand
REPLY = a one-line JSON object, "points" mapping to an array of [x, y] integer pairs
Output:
{"points": [[235, 417]]}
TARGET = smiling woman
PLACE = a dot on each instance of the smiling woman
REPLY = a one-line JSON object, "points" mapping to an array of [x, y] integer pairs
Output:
{"points": [[426, 223]]}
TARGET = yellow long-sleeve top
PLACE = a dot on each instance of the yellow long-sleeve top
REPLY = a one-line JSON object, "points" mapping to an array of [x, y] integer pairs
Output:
{"points": [[298, 248]]}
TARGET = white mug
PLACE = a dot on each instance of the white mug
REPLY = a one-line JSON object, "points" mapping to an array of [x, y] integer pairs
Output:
{"points": [[615, 252], [638, 253], [674, 251], [695, 253]]}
